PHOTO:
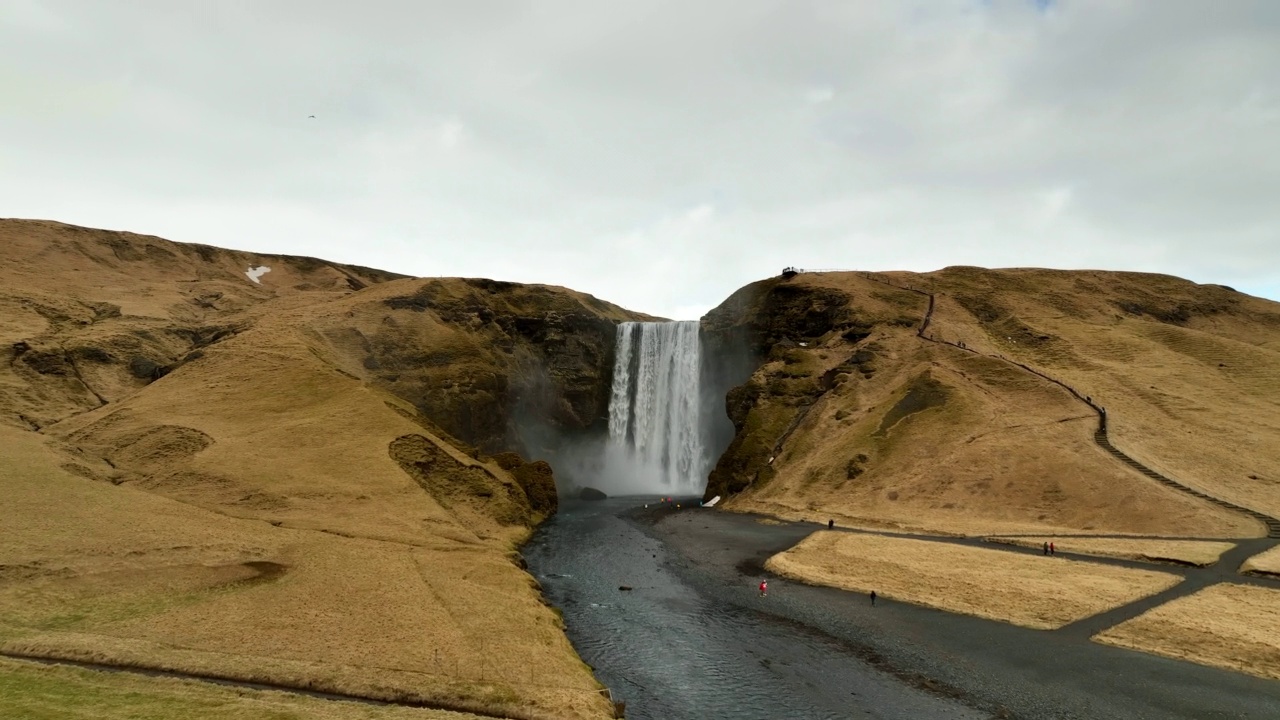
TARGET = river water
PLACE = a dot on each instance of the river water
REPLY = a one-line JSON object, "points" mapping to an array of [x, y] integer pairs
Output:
{"points": [[671, 651]]}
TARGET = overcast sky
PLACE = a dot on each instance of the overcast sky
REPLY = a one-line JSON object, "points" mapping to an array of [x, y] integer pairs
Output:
{"points": [[659, 154]]}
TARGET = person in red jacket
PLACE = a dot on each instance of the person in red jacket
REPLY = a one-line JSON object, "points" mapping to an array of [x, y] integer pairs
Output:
{"points": [[764, 588]]}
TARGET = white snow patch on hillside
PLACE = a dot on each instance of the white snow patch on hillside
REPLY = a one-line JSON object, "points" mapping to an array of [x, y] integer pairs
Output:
{"points": [[254, 273]]}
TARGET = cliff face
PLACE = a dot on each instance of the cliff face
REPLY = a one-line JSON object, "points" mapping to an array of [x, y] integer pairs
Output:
{"points": [[498, 365], [848, 414], [762, 341]]}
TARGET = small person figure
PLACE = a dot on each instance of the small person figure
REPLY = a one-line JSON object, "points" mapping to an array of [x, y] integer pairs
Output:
{"points": [[764, 588], [1052, 550], [873, 598], [1046, 548], [831, 524]]}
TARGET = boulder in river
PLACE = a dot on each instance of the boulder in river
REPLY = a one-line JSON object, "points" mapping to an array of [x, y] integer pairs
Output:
{"points": [[590, 493]]}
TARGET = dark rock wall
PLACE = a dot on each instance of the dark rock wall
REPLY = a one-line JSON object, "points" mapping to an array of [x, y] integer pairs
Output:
{"points": [[763, 321], [526, 368]]}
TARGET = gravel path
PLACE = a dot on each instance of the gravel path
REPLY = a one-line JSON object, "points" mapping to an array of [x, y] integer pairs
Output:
{"points": [[1009, 671]]}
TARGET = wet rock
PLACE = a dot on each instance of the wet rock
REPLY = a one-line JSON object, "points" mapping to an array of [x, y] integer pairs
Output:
{"points": [[590, 493]]}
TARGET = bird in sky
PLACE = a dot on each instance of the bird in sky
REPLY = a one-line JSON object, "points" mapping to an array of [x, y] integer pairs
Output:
{"points": [[311, 116]]}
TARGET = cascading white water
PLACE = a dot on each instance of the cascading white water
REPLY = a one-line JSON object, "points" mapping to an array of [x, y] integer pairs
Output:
{"points": [[656, 441]]}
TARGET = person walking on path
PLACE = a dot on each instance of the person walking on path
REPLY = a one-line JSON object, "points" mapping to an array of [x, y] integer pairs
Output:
{"points": [[1052, 550], [831, 524], [764, 588], [873, 598], [1046, 548]]}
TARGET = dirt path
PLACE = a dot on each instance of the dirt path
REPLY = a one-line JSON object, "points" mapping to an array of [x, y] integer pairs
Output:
{"points": [[1100, 437], [1226, 569]]}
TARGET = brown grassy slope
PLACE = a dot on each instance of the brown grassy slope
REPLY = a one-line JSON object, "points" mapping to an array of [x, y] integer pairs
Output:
{"points": [[1190, 374], [909, 434], [1201, 553], [388, 546], [1266, 563], [1231, 626], [154, 277], [38, 692], [1047, 593], [89, 316]]}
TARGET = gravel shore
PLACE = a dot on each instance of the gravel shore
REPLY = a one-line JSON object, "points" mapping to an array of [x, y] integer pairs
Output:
{"points": [[1007, 671], [673, 652]]}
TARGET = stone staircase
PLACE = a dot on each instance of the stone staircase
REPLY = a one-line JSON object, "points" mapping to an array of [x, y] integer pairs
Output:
{"points": [[1100, 437]]}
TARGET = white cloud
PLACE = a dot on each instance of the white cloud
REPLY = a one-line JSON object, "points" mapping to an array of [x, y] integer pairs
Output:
{"points": [[659, 154], [699, 215], [1053, 203], [451, 133], [819, 95], [32, 16]]}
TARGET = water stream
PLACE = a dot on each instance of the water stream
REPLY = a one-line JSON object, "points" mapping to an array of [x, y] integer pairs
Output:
{"points": [[657, 440], [671, 651]]}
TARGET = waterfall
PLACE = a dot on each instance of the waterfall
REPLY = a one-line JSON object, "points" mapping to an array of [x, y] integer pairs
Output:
{"points": [[656, 433]]}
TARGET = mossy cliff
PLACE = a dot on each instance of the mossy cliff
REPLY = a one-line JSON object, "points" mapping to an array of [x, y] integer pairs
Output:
{"points": [[499, 365], [763, 345]]}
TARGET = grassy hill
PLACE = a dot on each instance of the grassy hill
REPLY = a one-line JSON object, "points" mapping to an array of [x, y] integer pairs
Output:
{"points": [[273, 481], [316, 475], [852, 416]]}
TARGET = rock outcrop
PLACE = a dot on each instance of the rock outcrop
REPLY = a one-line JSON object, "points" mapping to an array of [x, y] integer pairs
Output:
{"points": [[590, 493], [498, 365], [761, 342]]}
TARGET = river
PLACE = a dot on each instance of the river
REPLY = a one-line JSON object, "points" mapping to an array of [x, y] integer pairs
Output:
{"points": [[671, 650]]}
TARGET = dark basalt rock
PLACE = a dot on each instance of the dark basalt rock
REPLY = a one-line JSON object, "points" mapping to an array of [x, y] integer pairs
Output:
{"points": [[773, 320], [539, 370]]}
